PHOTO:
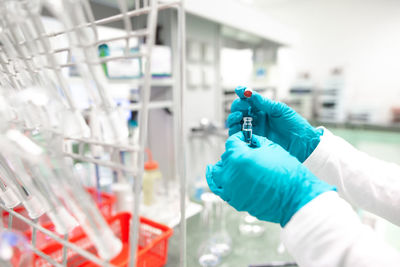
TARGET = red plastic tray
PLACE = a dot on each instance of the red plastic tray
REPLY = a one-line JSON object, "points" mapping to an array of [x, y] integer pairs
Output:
{"points": [[105, 206], [105, 203], [152, 250]]}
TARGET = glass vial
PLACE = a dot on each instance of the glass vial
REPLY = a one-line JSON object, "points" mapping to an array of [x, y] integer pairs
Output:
{"points": [[247, 129]]}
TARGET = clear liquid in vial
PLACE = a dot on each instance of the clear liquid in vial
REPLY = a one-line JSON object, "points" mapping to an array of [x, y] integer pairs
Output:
{"points": [[247, 135]]}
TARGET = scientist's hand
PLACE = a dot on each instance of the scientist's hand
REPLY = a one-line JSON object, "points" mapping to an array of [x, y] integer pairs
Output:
{"points": [[277, 122], [264, 179]]}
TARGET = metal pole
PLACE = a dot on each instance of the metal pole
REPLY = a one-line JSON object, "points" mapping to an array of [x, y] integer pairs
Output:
{"points": [[179, 134], [143, 125]]}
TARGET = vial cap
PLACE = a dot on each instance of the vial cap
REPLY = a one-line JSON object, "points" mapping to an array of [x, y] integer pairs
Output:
{"points": [[248, 93]]}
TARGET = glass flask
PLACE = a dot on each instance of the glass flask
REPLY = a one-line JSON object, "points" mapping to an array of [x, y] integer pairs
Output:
{"points": [[251, 226], [217, 242]]}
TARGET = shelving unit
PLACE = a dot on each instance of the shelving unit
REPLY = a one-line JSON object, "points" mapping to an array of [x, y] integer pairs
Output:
{"points": [[81, 44]]}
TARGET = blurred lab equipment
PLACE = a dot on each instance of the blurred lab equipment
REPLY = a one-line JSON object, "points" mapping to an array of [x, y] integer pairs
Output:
{"points": [[217, 243], [251, 226], [204, 133], [207, 256], [396, 114], [14, 249], [302, 96], [331, 105]]}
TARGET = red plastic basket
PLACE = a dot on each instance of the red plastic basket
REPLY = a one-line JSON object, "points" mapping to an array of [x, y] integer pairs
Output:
{"points": [[18, 224], [104, 201], [152, 250]]}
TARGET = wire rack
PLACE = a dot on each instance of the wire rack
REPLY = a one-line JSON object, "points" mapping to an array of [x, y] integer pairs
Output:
{"points": [[28, 56]]}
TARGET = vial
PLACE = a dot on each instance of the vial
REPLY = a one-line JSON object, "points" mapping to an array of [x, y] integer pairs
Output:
{"points": [[247, 129]]}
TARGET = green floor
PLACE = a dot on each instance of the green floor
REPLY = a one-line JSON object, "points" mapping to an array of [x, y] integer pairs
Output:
{"points": [[246, 250]]}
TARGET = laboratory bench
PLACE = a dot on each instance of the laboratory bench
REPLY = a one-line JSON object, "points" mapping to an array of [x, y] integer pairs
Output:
{"points": [[388, 127], [245, 250], [381, 143]]}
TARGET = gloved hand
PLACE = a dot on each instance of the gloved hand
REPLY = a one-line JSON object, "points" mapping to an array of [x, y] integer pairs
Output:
{"points": [[276, 121], [263, 179]]}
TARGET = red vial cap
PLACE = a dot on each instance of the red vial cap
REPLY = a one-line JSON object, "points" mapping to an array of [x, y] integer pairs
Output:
{"points": [[248, 93]]}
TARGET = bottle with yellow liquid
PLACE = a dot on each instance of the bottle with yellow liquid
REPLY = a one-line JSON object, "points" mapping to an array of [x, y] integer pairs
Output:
{"points": [[151, 180]]}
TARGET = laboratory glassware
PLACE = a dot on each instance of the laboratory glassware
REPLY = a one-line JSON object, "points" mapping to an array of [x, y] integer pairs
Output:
{"points": [[247, 129], [251, 226], [222, 242], [208, 256], [55, 172], [14, 249], [30, 59]]}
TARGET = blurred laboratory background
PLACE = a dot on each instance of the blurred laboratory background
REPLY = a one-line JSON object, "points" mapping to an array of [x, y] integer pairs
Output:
{"points": [[336, 62]]}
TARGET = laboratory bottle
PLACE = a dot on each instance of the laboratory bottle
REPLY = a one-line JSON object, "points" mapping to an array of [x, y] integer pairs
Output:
{"points": [[151, 180]]}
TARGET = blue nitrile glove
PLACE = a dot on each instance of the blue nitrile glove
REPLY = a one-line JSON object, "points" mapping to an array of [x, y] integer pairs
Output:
{"points": [[263, 179], [276, 121]]}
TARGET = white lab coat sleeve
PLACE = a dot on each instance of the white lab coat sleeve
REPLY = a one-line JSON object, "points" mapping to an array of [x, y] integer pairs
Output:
{"points": [[327, 232], [364, 181]]}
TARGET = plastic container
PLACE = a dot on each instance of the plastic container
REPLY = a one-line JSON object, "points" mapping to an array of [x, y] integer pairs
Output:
{"points": [[124, 197], [151, 180], [105, 206], [152, 250]]}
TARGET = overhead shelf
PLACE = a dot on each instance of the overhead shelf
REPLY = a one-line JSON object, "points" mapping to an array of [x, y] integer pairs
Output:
{"points": [[256, 22]]}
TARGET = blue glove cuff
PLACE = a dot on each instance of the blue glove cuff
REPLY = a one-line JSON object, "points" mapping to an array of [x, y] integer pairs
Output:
{"points": [[313, 143], [312, 188]]}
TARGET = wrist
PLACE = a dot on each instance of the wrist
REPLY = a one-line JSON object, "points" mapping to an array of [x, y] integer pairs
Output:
{"points": [[313, 142], [307, 187]]}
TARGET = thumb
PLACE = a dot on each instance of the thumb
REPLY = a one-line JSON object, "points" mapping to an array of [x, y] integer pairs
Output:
{"points": [[236, 140], [259, 141], [240, 91]]}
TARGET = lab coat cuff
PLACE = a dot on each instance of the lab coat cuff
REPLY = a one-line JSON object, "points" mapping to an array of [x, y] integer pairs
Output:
{"points": [[310, 230], [321, 153]]}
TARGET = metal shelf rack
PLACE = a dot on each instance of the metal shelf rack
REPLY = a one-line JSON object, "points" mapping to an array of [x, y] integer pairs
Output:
{"points": [[44, 64]]}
